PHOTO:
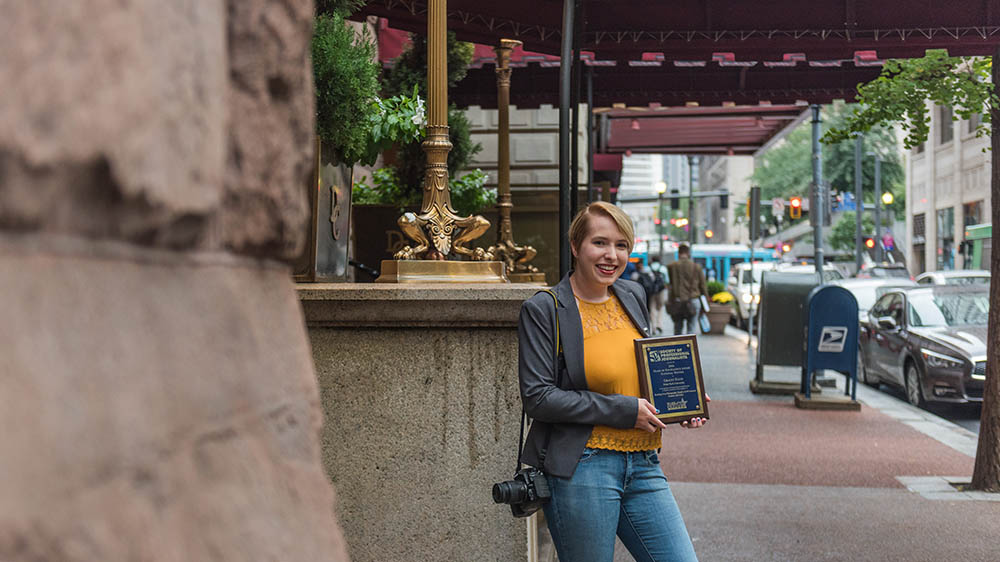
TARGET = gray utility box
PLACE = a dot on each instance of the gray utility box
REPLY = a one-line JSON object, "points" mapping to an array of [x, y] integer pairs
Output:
{"points": [[780, 341]]}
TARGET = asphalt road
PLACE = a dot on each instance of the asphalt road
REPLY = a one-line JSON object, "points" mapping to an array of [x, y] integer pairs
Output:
{"points": [[965, 415]]}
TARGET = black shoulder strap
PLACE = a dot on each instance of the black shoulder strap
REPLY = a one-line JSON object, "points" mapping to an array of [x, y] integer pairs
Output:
{"points": [[558, 358]]}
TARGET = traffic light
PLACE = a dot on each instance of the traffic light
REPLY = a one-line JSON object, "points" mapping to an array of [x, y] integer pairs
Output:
{"points": [[795, 208], [869, 243], [675, 202], [724, 201]]}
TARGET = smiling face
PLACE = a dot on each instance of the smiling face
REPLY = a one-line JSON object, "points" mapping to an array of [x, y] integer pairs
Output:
{"points": [[602, 256]]}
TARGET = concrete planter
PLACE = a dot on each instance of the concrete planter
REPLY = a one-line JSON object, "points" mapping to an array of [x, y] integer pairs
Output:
{"points": [[718, 317]]}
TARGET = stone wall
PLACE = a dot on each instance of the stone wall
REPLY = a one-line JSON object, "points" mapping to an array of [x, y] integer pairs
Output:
{"points": [[419, 389], [157, 397]]}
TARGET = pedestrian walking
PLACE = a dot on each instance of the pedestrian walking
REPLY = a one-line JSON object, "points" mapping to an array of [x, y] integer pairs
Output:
{"points": [[592, 435], [644, 277], [656, 304], [685, 288]]}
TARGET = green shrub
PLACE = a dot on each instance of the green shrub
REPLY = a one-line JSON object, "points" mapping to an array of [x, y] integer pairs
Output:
{"points": [[346, 81], [385, 189], [468, 196], [714, 287]]}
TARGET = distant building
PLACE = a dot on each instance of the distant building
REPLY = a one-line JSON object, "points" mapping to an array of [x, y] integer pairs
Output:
{"points": [[722, 173], [947, 189], [640, 175]]}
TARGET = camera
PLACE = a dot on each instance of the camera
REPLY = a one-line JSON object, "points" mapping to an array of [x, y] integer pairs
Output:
{"points": [[526, 493]]}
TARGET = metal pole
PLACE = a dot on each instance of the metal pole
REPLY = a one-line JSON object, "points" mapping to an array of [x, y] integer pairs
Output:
{"points": [[659, 231], [574, 182], [817, 214], [692, 182], [504, 205], [859, 146], [590, 134], [878, 204], [565, 76], [753, 225]]}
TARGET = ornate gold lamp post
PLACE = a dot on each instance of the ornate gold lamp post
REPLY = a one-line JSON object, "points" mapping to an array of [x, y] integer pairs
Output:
{"points": [[515, 258], [438, 230]]}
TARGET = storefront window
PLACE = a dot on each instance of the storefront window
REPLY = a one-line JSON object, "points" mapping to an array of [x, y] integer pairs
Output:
{"points": [[946, 238]]}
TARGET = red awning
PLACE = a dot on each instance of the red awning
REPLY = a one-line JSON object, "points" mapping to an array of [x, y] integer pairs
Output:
{"points": [[733, 130], [737, 32], [535, 80], [607, 162]]}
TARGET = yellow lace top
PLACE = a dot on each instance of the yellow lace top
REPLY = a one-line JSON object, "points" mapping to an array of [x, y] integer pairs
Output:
{"points": [[609, 362]]}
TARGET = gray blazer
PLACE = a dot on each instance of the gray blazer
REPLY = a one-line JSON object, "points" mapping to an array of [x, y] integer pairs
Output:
{"points": [[570, 411]]}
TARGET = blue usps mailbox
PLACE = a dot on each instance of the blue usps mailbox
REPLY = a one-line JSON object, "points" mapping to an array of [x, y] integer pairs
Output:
{"points": [[832, 336]]}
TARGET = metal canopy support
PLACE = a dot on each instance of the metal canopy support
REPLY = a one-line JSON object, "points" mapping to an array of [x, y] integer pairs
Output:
{"points": [[816, 213], [565, 72], [693, 162], [590, 134], [574, 178], [859, 146]]}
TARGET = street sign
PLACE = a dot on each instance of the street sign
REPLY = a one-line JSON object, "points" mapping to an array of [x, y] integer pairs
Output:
{"points": [[777, 206]]}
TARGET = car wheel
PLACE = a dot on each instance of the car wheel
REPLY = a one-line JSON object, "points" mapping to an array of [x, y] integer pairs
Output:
{"points": [[913, 393]]}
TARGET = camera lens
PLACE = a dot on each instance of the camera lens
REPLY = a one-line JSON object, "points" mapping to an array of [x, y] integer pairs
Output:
{"points": [[510, 491]]}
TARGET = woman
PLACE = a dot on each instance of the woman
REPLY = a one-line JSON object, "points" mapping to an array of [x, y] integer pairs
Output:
{"points": [[593, 436]]}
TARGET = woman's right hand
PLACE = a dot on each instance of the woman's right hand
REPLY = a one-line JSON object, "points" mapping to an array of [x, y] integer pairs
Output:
{"points": [[646, 419]]}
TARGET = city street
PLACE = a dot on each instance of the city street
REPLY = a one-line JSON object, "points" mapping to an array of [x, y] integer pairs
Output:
{"points": [[964, 415], [765, 480]]}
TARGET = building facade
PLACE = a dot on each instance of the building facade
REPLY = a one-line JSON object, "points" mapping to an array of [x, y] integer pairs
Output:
{"points": [[947, 189], [723, 173]]}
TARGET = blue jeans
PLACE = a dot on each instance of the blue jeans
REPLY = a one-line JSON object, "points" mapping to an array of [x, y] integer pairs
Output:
{"points": [[612, 493]]}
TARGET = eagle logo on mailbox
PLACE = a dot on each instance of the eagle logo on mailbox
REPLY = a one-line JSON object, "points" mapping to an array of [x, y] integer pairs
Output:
{"points": [[832, 339]]}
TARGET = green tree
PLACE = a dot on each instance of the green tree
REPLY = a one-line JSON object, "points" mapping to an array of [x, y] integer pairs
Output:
{"points": [[899, 96], [843, 233], [786, 170]]}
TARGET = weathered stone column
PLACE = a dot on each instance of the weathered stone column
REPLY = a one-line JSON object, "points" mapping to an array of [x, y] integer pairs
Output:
{"points": [[157, 395]]}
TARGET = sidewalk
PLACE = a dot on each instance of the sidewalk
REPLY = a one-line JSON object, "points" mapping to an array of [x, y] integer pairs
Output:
{"points": [[765, 480]]}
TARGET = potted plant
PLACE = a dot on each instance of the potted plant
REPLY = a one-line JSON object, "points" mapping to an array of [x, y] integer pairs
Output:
{"points": [[398, 186], [353, 125], [719, 308]]}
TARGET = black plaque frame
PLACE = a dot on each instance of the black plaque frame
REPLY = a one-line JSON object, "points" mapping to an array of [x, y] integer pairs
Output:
{"points": [[646, 383]]}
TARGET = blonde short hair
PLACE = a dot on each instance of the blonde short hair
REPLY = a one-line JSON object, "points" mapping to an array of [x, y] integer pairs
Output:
{"points": [[580, 227]]}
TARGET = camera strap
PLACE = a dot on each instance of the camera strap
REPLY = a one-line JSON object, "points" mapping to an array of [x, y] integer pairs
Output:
{"points": [[558, 363]]}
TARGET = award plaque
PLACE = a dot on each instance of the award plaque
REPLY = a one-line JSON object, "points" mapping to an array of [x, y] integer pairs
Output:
{"points": [[670, 377]]}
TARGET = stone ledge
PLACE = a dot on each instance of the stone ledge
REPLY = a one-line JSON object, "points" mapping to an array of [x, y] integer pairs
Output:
{"points": [[443, 305]]}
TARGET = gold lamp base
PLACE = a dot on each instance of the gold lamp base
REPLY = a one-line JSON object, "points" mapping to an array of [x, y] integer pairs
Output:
{"points": [[433, 271], [537, 278]]}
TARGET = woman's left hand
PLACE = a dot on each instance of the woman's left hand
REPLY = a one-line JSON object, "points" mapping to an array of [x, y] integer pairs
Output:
{"points": [[695, 423]]}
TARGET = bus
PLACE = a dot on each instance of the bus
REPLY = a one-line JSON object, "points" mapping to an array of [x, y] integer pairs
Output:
{"points": [[715, 259], [978, 245]]}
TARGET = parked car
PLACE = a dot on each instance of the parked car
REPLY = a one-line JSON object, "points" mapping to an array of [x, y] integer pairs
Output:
{"points": [[830, 271], [745, 288], [884, 270], [867, 291], [929, 341], [955, 277]]}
